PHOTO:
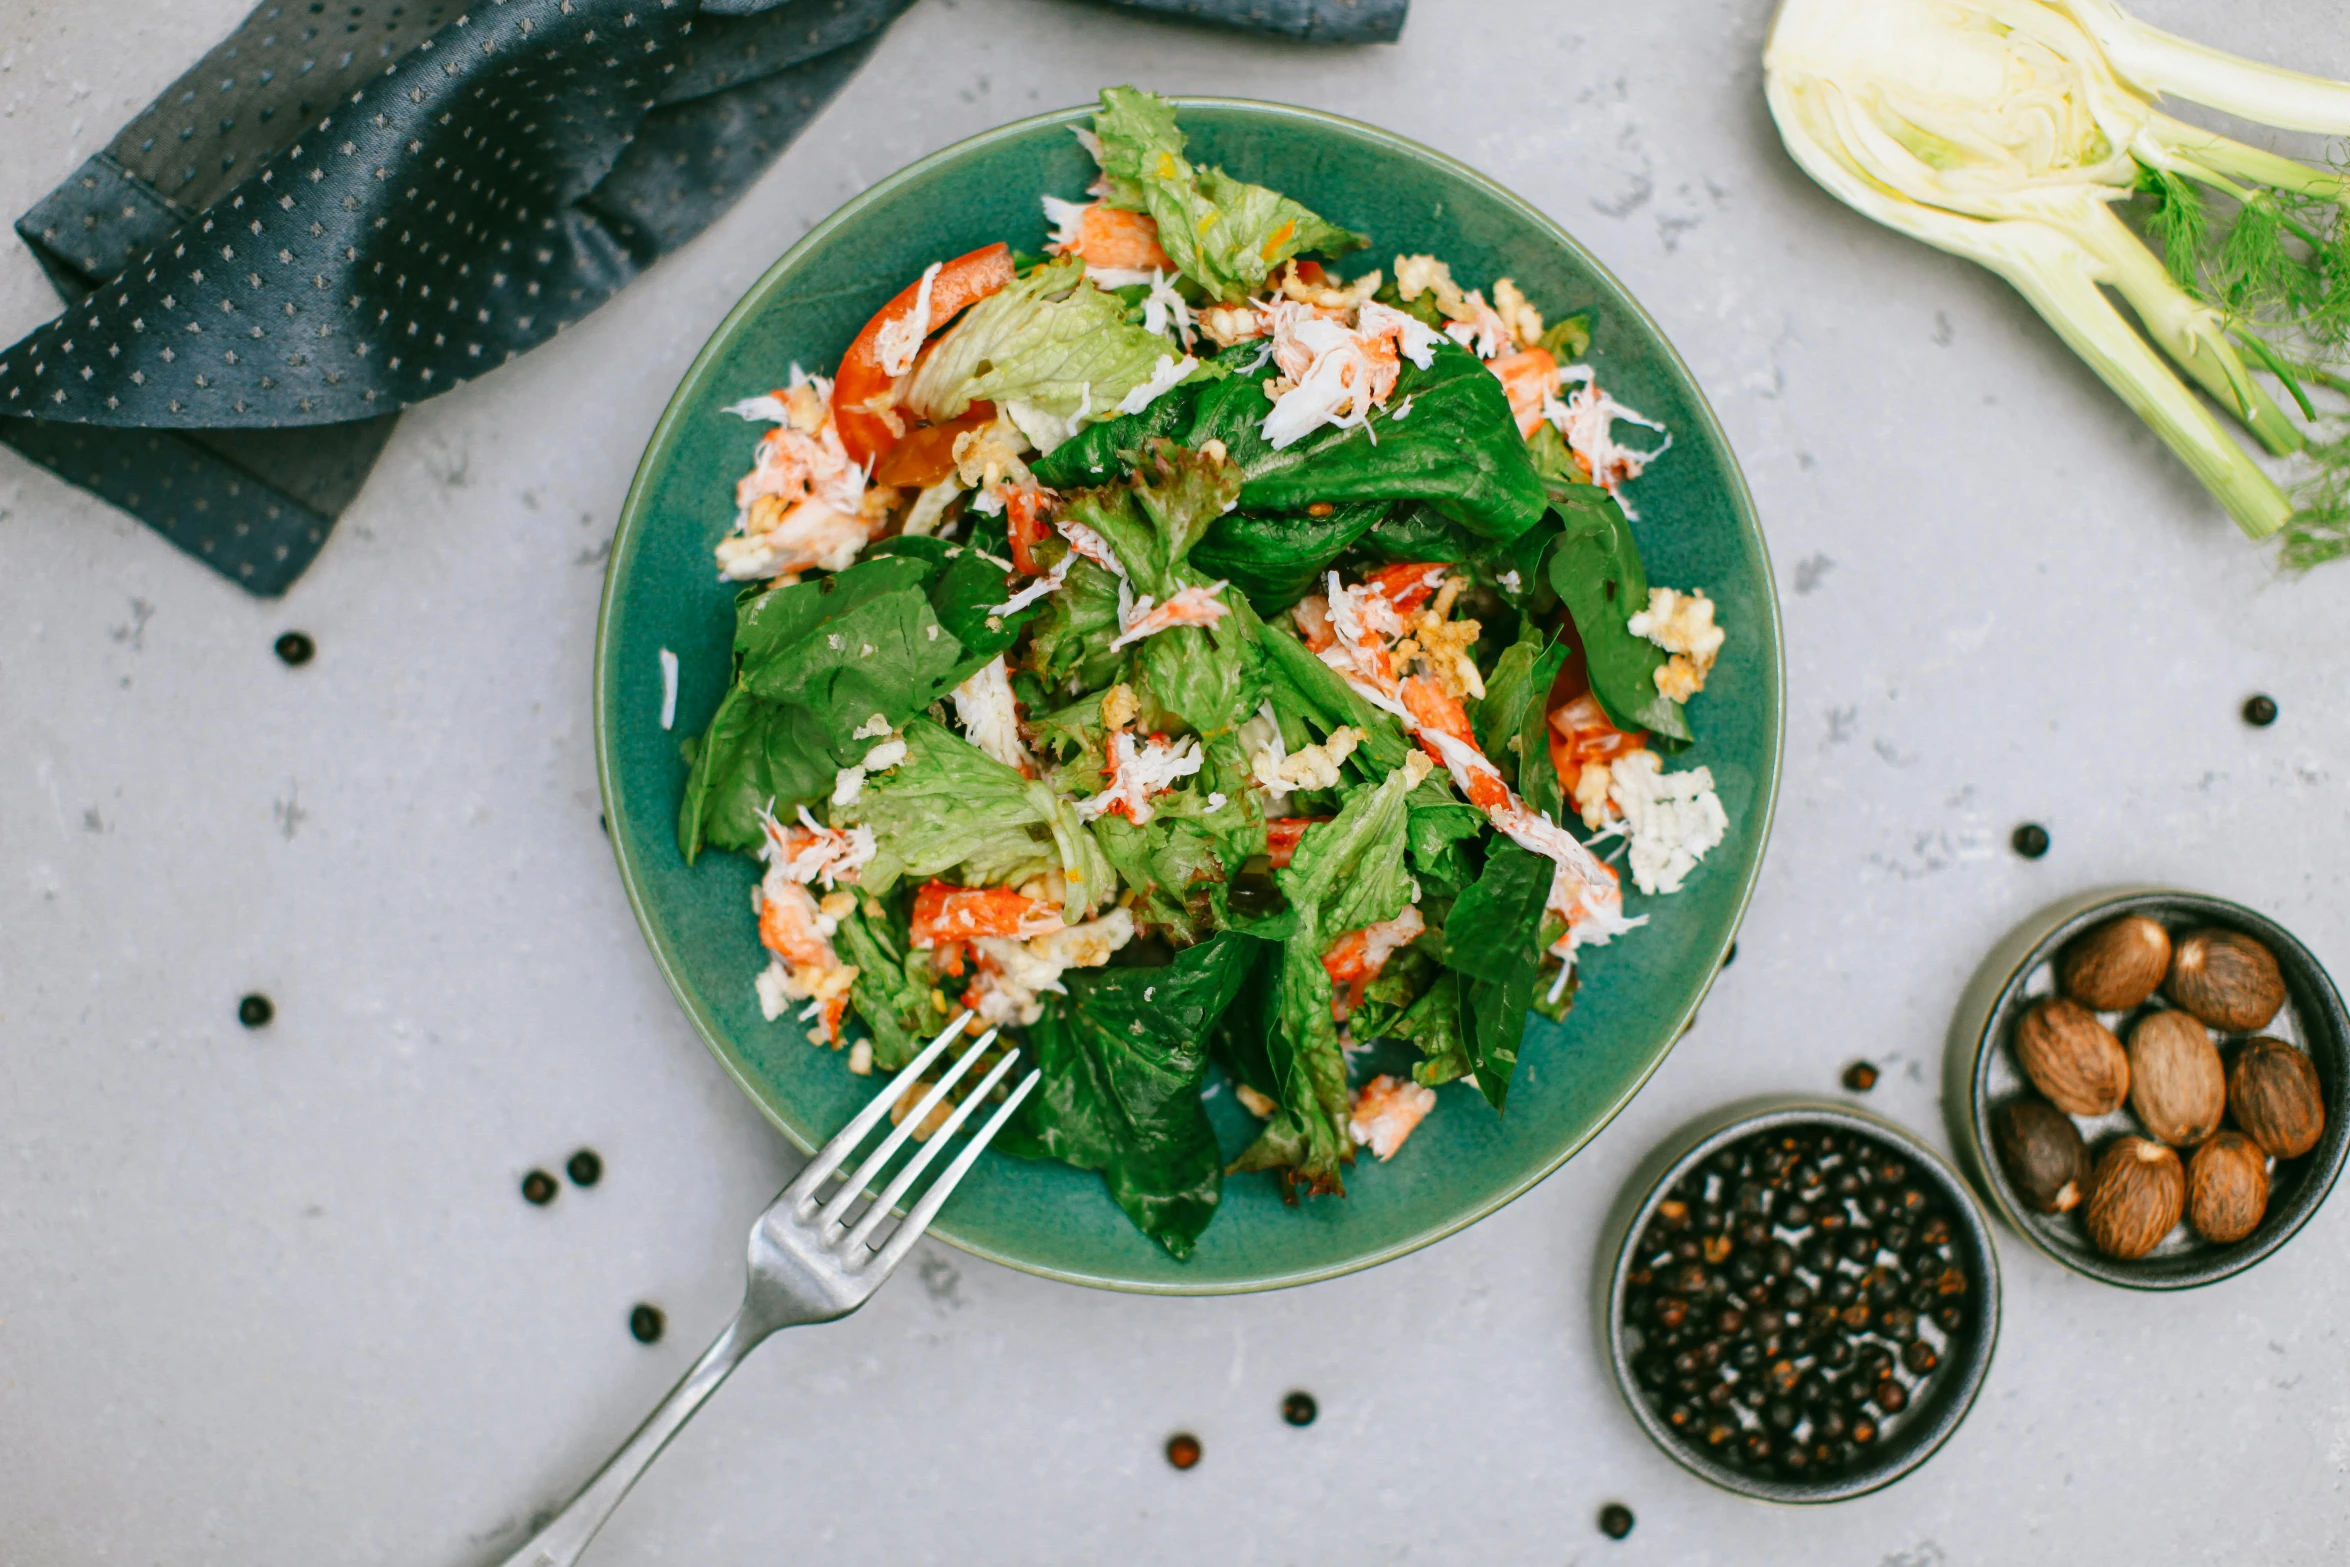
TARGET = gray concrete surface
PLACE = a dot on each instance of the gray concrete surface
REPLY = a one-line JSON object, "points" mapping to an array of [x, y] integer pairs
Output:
{"points": [[269, 1297]]}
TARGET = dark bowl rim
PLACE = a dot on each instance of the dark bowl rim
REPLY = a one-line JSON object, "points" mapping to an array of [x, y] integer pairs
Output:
{"points": [[2058, 925], [1699, 1140]]}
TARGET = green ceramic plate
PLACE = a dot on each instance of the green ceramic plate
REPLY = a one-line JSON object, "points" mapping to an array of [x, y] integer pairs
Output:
{"points": [[1697, 530]]}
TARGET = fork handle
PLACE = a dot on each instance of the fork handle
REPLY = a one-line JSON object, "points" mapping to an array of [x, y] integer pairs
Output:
{"points": [[566, 1535]]}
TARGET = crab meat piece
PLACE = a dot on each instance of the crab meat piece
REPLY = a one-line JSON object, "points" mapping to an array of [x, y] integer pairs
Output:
{"points": [[1013, 975], [1193, 606], [1136, 773], [944, 912], [1588, 419], [1282, 835], [1583, 743], [1385, 1111], [1336, 373], [1530, 377], [901, 337], [991, 718], [806, 852], [804, 966], [1355, 959], [1106, 237]]}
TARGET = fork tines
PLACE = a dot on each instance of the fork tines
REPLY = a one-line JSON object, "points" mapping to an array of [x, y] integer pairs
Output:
{"points": [[832, 1221]]}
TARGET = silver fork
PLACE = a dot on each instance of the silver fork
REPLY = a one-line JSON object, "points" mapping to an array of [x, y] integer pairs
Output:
{"points": [[808, 1264]]}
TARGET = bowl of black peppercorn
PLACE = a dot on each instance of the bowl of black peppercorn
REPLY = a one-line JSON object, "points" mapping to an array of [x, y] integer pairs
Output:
{"points": [[1800, 1300]]}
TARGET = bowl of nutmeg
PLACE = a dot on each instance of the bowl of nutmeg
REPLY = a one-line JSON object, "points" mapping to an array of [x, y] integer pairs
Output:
{"points": [[2149, 1085]]}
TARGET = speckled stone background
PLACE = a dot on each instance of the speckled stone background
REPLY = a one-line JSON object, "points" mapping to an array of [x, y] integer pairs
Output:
{"points": [[271, 1297]]}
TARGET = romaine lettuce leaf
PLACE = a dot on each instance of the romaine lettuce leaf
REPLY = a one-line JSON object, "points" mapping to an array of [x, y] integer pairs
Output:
{"points": [[1050, 340], [1224, 234], [949, 805], [1123, 1057]]}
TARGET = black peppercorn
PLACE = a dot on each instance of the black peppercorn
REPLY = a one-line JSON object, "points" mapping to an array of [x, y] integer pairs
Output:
{"points": [[1794, 1294], [1864, 1431], [1861, 1246], [1719, 1431], [645, 1324], [1670, 1311], [1951, 1316], [1183, 1450], [539, 1188], [1615, 1520], [1819, 1254], [1781, 1261], [1920, 1357], [1860, 1077], [1780, 1415], [1757, 1447], [1672, 1213], [1935, 1231], [255, 1010], [1891, 1397], [1898, 1323], [585, 1167], [2031, 840], [1795, 1215], [1299, 1409], [1836, 1352], [1682, 1417], [2260, 711], [296, 648]]}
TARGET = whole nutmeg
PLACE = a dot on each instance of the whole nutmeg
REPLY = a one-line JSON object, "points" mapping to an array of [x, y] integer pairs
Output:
{"points": [[2178, 1089], [2072, 1058], [2118, 965], [2274, 1095], [2227, 1188], [2043, 1154], [2229, 981], [2135, 1196]]}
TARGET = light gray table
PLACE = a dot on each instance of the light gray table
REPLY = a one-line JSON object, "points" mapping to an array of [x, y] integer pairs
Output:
{"points": [[270, 1297]]}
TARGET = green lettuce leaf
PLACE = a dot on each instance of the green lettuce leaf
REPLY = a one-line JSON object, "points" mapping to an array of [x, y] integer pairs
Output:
{"points": [[1050, 340], [851, 645], [1302, 685], [1123, 1058], [950, 805], [755, 755], [1491, 941], [1154, 516], [1347, 873], [1457, 449], [892, 989], [1433, 1023], [1596, 571], [1224, 234], [1277, 558], [1072, 635]]}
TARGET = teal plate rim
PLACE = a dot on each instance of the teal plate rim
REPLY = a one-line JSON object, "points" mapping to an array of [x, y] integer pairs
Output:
{"points": [[632, 519]]}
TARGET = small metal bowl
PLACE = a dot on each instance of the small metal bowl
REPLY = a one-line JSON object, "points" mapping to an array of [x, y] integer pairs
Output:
{"points": [[1918, 1431], [1980, 1074]]}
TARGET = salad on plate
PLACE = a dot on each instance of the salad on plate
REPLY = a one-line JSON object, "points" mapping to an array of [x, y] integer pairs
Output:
{"points": [[1202, 661]]}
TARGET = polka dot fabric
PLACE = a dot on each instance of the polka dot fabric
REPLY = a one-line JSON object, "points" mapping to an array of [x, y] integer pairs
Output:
{"points": [[344, 209]]}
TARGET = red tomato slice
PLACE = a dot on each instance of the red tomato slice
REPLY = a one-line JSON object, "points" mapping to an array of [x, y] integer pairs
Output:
{"points": [[860, 386]]}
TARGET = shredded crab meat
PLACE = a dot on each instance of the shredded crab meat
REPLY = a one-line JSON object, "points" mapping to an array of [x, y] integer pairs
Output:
{"points": [[1167, 375], [1336, 374], [1356, 958], [947, 919], [1588, 419], [1107, 239], [1192, 606], [797, 931], [1385, 1112], [990, 717], [804, 505], [1163, 307], [1483, 333], [1670, 819], [901, 337], [1013, 976], [1136, 773], [807, 852]]}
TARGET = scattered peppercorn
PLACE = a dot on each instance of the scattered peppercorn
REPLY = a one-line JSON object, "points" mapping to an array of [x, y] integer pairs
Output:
{"points": [[1793, 1298], [255, 1011], [1299, 1409], [1615, 1520], [1183, 1450], [2260, 711], [646, 1323], [585, 1167], [1860, 1077], [2030, 840], [296, 648], [538, 1188]]}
